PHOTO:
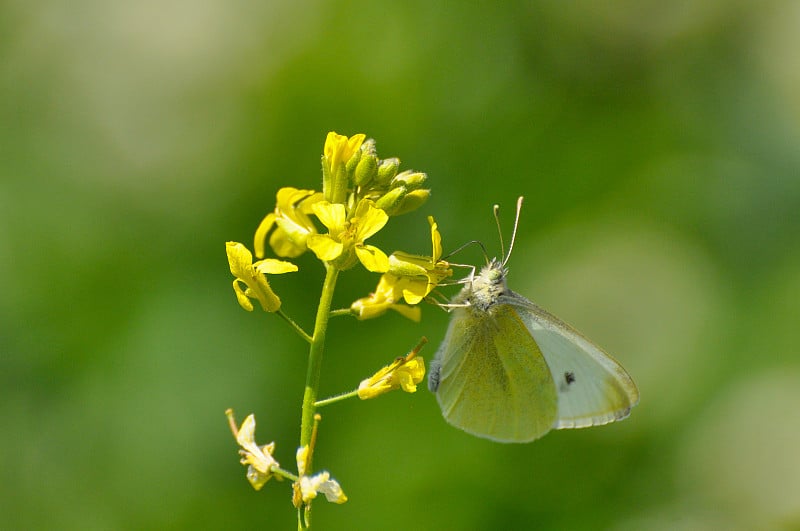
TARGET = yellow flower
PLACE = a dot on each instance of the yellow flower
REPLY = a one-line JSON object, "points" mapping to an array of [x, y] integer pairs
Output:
{"points": [[384, 299], [258, 459], [310, 486], [291, 221], [337, 152], [338, 149], [345, 239], [410, 277], [252, 276], [419, 275], [404, 373]]}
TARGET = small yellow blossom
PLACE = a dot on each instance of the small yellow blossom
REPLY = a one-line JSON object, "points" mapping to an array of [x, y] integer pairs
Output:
{"points": [[384, 298], [310, 486], [258, 459], [252, 276], [345, 239], [410, 278], [404, 373], [336, 179], [291, 222], [420, 274], [338, 149]]}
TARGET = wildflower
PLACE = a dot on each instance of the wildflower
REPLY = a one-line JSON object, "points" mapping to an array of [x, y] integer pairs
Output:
{"points": [[258, 459], [410, 278], [291, 222], [338, 150], [345, 239], [384, 298], [252, 275], [420, 274], [310, 486], [404, 373]]}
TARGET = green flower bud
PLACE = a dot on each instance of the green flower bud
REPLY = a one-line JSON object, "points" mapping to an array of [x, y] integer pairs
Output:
{"points": [[366, 170], [411, 201], [387, 169], [391, 200], [351, 164], [409, 179]]}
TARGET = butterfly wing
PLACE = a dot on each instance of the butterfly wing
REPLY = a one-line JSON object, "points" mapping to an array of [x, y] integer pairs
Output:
{"points": [[491, 379], [593, 389]]}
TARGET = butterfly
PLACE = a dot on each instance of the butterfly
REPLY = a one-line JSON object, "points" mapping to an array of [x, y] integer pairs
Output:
{"points": [[509, 371]]}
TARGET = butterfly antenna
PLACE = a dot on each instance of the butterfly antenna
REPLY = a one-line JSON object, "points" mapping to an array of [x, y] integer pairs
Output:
{"points": [[496, 210], [513, 234], [461, 248]]}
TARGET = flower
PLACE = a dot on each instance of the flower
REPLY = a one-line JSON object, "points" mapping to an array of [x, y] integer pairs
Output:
{"points": [[338, 150], [410, 277], [291, 221], [321, 482], [310, 486], [404, 373], [384, 299], [420, 274], [252, 275], [345, 239], [258, 459]]}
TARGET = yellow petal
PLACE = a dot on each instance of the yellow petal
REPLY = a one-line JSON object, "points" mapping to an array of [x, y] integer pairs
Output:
{"points": [[331, 215], [370, 220], [274, 267], [325, 247], [373, 258], [241, 296], [261, 234], [436, 239]]}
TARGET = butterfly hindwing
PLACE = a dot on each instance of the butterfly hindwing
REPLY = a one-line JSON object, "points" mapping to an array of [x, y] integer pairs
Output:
{"points": [[492, 378]]}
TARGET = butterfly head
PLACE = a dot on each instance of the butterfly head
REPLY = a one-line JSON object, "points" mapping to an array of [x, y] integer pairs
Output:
{"points": [[485, 288]]}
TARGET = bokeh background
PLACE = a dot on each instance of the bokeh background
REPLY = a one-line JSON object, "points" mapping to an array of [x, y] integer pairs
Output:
{"points": [[657, 146]]}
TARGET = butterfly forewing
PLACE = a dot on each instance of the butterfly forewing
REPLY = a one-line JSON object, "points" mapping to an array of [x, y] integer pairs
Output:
{"points": [[593, 388]]}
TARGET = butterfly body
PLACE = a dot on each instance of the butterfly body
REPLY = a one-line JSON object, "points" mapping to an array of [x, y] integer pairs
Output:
{"points": [[509, 371]]}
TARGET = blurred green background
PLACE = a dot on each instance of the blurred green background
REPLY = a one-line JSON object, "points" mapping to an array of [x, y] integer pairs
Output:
{"points": [[657, 146]]}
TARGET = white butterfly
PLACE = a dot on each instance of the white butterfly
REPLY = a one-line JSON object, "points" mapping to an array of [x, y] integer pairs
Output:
{"points": [[509, 371]]}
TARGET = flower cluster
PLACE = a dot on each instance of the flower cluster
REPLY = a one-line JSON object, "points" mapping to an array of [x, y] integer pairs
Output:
{"points": [[360, 192]]}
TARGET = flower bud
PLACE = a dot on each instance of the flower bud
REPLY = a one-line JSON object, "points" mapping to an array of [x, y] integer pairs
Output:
{"points": [[411, 201], [387, 169], [410, 179], [366, 170], [391, 200]]}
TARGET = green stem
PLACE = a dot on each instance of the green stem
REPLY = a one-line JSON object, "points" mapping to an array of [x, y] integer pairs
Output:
{"points": [[312, 379], [337, 398], [302, 333], [315, 355]]}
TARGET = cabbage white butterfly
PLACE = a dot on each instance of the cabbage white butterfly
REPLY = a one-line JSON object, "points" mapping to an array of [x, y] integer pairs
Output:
{"points": [[509, 371]]}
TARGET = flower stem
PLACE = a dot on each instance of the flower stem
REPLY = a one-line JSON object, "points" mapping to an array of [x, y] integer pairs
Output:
{"points": [[307, 422], [315, 355], [302, 333], [337, 398]]}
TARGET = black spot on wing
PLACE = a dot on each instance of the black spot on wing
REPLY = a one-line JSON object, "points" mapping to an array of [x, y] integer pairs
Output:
{"points": [[569, 379]]}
